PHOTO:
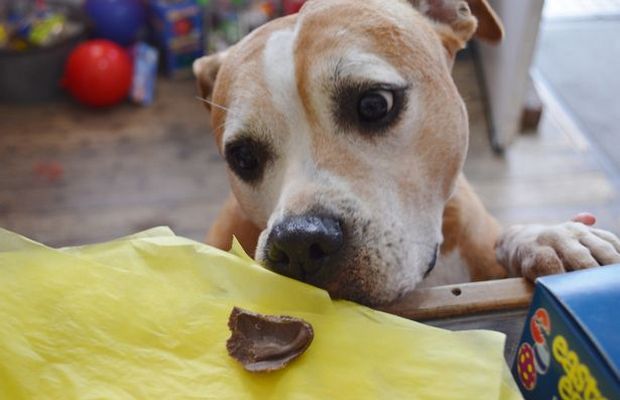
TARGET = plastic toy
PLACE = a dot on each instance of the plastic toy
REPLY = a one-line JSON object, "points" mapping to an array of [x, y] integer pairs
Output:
{"points": [[116, 20], [47, 29], [178, 32], [292, 6], [145, 60], [28, 24], [230, 20], [4, 36], [569, 345], [98, 73]]}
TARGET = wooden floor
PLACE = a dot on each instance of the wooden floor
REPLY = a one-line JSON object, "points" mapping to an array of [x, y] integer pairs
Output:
{"points": [[70, 176]]}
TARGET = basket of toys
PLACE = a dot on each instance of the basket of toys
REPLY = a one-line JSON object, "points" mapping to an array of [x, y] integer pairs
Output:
{"points": [[35, 41]]}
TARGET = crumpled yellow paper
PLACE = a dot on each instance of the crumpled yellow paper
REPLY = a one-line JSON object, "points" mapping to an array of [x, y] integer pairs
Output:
{"points": [[145, 317]]}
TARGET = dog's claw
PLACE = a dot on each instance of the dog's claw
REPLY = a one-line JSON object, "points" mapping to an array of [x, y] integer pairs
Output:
{"points": [[585, 218]]}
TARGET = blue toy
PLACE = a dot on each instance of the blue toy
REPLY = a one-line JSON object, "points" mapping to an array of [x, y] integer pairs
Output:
{"points": [[178, 32], [116, 20], [570, 348]]}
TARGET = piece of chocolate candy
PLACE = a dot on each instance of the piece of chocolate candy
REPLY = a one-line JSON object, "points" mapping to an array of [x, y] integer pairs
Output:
{"points": [[265, 343]]}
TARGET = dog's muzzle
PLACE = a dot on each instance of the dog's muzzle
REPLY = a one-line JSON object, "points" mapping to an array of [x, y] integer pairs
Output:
{"points": [[303, 247]]}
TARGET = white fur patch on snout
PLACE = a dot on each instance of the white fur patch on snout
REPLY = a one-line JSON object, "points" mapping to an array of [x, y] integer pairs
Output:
{"points": [[381, 260]]}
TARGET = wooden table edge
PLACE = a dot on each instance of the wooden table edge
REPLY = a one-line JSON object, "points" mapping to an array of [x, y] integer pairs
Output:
{"points": [[464, 299]]}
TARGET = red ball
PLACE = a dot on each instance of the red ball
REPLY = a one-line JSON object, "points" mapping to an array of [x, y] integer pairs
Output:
{"points": [[98, 73]]}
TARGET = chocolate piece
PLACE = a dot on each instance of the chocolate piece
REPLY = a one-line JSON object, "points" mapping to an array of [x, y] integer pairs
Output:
{"points": [[265, 343]]}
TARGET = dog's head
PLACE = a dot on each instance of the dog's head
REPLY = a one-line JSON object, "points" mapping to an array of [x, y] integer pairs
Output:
{"points": [[344, 134]]}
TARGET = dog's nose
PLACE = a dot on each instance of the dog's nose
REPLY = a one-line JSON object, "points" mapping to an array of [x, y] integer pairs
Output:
{"points": [[300, 246]]}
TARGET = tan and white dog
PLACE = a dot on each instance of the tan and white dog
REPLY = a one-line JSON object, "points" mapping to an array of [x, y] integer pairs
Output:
{"points": [[345, 138]]}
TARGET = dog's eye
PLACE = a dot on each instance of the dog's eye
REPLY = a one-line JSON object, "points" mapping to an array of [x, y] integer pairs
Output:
{"points": [[247, 158], [369, 108], [375, 105]]}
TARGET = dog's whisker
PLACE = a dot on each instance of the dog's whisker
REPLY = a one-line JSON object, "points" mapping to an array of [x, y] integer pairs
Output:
{"points": [[209, 102], [223, 125]]}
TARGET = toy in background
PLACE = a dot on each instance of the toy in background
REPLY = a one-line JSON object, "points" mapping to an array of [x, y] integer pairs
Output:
{"points": [[177, 30], [145, 62], [36, 38], [98, 73], [292, 6], [26, 25], [123, 22], [120, 21], [4, 36], [256, 14], [230, 20], [222, 22]]}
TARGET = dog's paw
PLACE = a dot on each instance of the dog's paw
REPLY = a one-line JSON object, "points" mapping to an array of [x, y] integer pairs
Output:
{"points": [[536, 250]]}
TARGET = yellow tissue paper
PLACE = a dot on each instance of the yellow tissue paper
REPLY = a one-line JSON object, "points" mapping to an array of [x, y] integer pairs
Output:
{"points": [[145, 317]]}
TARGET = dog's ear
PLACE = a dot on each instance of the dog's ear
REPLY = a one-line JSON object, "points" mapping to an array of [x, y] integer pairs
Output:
{"points": [[457, 21], [490, 27], [205, 70]]}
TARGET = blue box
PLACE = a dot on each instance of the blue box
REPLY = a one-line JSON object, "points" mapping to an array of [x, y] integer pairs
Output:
{"points": [[570, 347], [177, 27]]}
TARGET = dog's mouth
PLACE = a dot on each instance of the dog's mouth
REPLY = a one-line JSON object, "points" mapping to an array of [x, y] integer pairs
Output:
{"points": [[433, 262], [366, 278], [351, 261]]}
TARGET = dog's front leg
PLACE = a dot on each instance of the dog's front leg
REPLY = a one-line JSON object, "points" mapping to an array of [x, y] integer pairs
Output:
{"points": [[537, 250], [230, 222], [470, 229]]}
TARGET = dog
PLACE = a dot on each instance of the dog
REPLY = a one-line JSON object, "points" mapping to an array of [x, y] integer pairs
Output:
{"points": [[345, 138]]}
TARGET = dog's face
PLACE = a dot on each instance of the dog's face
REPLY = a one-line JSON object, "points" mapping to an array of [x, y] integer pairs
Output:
{"points": [[344, 134]]}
